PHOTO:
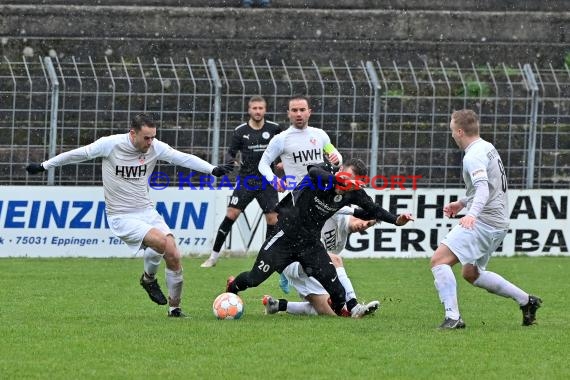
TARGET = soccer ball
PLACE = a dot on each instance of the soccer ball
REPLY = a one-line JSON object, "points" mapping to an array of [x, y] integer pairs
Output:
{"points": [[228, 306]]}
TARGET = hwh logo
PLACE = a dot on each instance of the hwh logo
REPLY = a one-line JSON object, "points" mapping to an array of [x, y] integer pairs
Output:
{"points": [[330, 239], [308, 155], [131, 171]]}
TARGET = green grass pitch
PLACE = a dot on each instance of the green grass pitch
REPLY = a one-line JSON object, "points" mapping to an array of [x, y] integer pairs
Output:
{"points": [[90, 319]]}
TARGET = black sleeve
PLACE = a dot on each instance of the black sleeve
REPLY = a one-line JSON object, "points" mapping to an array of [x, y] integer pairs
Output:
{"points": [[321, 174], [235, 147], [371, 210]]}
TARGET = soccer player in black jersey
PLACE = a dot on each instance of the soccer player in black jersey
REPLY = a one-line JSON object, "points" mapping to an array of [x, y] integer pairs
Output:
{"points": [[302, 215], [250, 140]]}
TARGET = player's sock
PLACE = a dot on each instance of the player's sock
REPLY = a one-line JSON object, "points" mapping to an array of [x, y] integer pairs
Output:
{"points": [[496, 284], [270, 230], [300, 308], [282, 304], [214, 255], [151, 260], [346, 283], [223, 231], [240, 283], [351, 303], [174, 282], [446, 286]]}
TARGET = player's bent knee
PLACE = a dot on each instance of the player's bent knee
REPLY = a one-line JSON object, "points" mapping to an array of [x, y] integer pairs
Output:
{"points": [[470, 273]]}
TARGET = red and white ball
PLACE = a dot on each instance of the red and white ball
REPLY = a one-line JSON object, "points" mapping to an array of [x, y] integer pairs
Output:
{"points": [[228, 306]]}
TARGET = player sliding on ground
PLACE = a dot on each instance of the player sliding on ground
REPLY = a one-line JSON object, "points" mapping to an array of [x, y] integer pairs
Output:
{"points": [[302, 215], [334, 236], [297, 147]]}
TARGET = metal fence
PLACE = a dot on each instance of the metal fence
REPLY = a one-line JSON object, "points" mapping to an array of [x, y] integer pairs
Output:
{"points": [[394, 117]]}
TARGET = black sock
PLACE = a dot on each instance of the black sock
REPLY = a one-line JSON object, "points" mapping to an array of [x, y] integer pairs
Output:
{"points": [[223, 231], [270, 230], [282, 304], [240, 283], [351, 303]]}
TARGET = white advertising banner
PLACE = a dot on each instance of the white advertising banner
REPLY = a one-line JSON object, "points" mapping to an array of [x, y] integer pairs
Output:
{"points": [[70, 222]]}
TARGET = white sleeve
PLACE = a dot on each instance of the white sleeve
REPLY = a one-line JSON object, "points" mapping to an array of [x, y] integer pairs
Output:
{"points": [[480, 198], [346, 210], [98, 148], [176, 157], [273, 150]]}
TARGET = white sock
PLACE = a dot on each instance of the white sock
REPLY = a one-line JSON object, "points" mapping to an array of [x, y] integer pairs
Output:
{"points": [[214, 255], [174, 281], [494, 283], [301, 308], [152, 261], [346, 283], [446, 286]]}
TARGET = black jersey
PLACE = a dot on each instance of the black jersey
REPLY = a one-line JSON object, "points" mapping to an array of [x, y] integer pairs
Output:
{"points": [[303, 213], [251, 143]]}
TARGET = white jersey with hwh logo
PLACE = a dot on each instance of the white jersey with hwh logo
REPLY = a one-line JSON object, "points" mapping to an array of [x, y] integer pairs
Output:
{"points": [[126, 170], [334, 233], [297, 148], [483, 163]]}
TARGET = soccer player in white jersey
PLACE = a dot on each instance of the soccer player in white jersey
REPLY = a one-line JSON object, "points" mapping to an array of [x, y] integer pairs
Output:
{"points": [[482, 229], [334, 236], [298, 146], [128, 161]]}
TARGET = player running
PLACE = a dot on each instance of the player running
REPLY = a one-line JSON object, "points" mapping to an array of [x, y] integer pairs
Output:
{"points": [[481, 230], [128, 161]]}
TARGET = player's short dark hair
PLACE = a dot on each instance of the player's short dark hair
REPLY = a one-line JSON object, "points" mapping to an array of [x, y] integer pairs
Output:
{"points": [[141, 120], [299, 97], [358, 166], [256, 98]]}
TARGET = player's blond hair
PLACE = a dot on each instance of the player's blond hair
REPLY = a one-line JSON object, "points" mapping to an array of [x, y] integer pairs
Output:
{"points": [[467, 120]]}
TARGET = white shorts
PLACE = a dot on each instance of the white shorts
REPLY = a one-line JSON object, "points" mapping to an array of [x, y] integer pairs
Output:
{"points": [[304, 284], [474, 246], [131, 228]]}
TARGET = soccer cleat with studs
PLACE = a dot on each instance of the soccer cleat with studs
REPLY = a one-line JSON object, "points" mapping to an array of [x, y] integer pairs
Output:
{"points": [[452, 324], [371, 307], [359, 310], [362, 309], [176, 313], [529, 310], [153, 290], [271, 304]]}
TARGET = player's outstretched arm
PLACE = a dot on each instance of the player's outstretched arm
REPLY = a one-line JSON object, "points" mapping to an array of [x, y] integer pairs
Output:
{"points": [[224, 169], [70, 157]]}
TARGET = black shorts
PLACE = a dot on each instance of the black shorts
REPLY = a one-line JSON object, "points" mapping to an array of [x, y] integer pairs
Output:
{"points": [[281, 250], [243, 195]]}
